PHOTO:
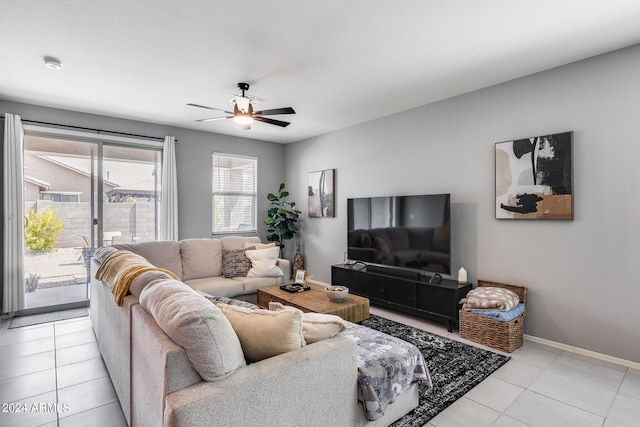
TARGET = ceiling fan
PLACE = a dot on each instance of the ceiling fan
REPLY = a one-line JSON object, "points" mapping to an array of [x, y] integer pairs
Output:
{"points": [[243, 113]]}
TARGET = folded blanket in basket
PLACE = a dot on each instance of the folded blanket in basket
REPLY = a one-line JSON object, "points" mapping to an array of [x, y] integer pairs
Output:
{"points": [[503, 316], [492, 298]]}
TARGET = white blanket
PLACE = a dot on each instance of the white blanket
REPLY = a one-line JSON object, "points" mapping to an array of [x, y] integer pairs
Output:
{"points": [[490, 298]]}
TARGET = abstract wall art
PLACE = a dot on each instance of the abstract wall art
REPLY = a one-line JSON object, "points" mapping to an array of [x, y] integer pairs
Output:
{"points": [[321, 193], [534, 177]]}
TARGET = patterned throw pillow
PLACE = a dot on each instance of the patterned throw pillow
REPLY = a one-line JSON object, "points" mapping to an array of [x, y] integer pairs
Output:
{"points": [[231, 301], [235, 263]]}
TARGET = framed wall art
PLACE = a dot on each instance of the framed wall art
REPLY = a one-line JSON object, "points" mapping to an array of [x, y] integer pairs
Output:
{"points": [[321, 193], [534, 177]]}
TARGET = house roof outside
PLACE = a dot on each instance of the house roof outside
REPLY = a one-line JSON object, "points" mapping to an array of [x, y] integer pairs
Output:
{"points": [[141, 186], [41, 184], [77, 165]]}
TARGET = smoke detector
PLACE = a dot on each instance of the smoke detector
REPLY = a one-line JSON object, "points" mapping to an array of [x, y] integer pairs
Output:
{"points": [[52, 63]]}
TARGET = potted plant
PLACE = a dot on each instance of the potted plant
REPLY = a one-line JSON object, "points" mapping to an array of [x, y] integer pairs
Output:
{"points": [[282, 217]]}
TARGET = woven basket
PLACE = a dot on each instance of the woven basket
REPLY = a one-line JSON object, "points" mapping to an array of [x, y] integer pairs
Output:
{"points": [[505, 336]]}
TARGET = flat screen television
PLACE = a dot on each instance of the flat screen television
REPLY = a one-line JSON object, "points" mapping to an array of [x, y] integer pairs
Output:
{"points": [[410, 233]]}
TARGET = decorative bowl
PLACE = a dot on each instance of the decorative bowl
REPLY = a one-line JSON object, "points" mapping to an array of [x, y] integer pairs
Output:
{"points": [[337, 293]]}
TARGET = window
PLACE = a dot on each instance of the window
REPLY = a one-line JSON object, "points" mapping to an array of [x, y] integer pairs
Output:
{"points": [[61, 197], [234, 195]]}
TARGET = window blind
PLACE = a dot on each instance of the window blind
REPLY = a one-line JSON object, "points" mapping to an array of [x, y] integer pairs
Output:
{"points": [[234, 195]]}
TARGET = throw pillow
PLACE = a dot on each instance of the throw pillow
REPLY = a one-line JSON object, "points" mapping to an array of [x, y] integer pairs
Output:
{"points": [[265, 333], [235, 263], [196, 325], [264, 262], [146, 279], [316, 326], [381, 245], [365, 241], [249, 245], [231, 301]]}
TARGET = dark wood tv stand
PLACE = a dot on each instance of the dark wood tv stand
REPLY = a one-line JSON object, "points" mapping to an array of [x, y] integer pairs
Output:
{"points": [[403, 290]]}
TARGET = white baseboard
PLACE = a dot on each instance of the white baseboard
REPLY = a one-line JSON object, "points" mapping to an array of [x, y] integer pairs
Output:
{"points": [[561, 346], [582, 351]]}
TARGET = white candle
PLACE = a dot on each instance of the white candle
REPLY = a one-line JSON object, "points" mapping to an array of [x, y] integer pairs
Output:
{"points": [[462, 276]]}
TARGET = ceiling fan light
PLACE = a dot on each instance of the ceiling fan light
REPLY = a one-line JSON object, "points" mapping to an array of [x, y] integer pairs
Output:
{"points": [[243, 119]]}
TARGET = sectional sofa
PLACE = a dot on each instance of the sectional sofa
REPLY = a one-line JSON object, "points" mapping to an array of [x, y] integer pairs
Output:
{"points": [[155, 378]]}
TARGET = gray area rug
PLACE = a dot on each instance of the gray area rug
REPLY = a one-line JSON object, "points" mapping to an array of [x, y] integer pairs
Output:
{"points": [[455, 367], [35, 319]]}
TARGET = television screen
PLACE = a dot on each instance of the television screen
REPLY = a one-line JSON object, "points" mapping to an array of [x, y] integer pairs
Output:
{"points": [[412, 232]]}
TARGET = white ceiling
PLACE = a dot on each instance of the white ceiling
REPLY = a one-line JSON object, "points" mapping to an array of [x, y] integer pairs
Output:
{"points": [[337, 63]]}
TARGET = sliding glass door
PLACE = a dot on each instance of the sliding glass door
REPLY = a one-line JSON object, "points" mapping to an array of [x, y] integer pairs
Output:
{"points": [[80, 195], [131, 194], [60, 202]]}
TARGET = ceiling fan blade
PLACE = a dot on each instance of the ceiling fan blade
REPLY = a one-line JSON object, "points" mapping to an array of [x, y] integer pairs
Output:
{"points": [[209, 108], [272, 121], [285, 110], [213, 118]]}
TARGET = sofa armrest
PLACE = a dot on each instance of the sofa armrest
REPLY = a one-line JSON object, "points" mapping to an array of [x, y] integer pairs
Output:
{"points": [[285, 266], [317, 382]]}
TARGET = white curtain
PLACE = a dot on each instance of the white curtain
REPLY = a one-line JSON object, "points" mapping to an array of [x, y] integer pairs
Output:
{"points": [[169, 197], [13, 244]]}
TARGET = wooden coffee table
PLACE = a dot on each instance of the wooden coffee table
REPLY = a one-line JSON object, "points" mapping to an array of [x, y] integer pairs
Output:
{"points": [[354, 308]]}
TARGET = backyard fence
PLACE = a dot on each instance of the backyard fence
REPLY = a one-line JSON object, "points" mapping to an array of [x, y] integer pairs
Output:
{"points": [[135, 221]]}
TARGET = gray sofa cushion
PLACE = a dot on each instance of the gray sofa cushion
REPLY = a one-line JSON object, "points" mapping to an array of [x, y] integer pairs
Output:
{"points": [[161, 253], [201, 258], [197, 325], [217, 286], [250, 285], [237, 242]]}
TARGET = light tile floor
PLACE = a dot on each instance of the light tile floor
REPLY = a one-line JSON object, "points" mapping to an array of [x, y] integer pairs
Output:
{"points": [[60, 363], [541, 386], [53, 375]]}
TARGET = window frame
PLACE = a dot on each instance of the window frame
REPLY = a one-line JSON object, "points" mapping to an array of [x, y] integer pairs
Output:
{"points": [[253, 229]]}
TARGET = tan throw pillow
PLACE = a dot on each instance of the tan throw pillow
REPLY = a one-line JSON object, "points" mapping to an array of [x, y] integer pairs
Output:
{"points": [[197, 325], [265, 333], [235, 263], [264, 262], [316, 326]]}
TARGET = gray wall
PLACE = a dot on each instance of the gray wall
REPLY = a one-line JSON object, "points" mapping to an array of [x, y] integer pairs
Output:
{"points": [[581, 274], [194, 176], [193, 160]]}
